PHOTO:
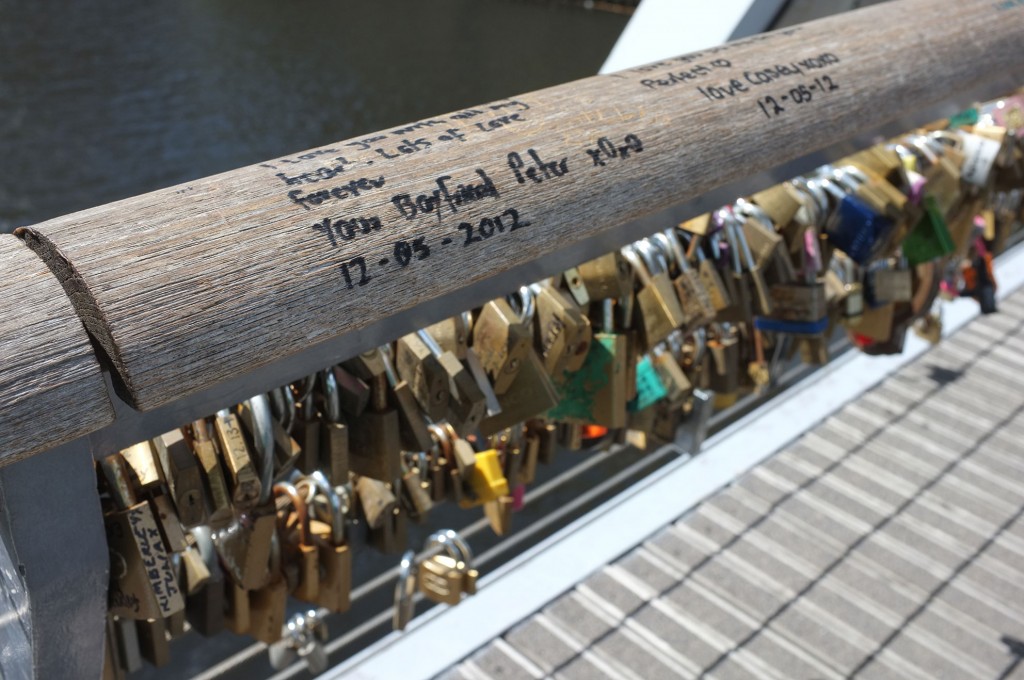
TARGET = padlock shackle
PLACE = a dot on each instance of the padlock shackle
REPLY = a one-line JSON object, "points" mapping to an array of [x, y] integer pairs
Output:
{"points": [[428, 340], [299, 504], [405, 586], [630, 254], [452, 543], [318, 483], [263, 439], [522, 303], [282, 403], [332, 396]]}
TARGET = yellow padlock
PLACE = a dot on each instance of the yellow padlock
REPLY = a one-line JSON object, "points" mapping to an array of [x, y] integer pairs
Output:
{"points": [[487, 480]]}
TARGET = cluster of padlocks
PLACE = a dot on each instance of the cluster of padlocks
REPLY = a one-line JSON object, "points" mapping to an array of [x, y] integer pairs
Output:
{"points": [[215, 525]]}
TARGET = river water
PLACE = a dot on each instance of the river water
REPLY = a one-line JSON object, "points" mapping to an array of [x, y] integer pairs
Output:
{"points": [[104, 100]]}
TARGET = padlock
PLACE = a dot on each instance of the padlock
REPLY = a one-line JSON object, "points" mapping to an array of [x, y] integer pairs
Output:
{"points": [[125, 637], [597, 393], [237, 615], [184, 477], [546, 433], [412, 425], [245, 545], [500, 341], [485, 479], [854, 227], [466, 402], [710, 279], [213, 475], [154, 642], [113, 669], [205, 607], [677, 386], [441, 468], [757, 370], [724, 378], [334, 553], [301, 561], [732, 227], [452, 334], [421, 368], [405, 588], [171, 531], [143, 582], [353, 392], [333, 439], [243, 479], [375, 448], [727, 252], [307, 429], [573, 282], [532, 393], [416, 486], [499, 514], [606, 277], [444, 578], [142, 461], [658, 311], [392, 536], [376, 500], [694, 297], [562, 332], [268, 605], [888, 282], [303, 638], [780, 202]]}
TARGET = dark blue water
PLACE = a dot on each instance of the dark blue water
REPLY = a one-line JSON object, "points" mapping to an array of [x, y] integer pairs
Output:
{"points": [[104, 100]]}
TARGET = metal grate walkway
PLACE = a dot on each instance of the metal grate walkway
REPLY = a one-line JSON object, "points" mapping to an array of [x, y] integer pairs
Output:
{"points": [[887, 542]]}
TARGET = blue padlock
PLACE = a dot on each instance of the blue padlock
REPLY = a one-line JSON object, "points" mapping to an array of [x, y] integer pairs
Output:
{"points": [[854, 227]]}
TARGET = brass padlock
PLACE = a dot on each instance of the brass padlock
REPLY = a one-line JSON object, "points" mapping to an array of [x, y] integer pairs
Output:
{"points": [[375, 446], [353, 393], [562, 332], [376, 500], [301, 561], [420, 367], [268, 605], [335, 555], [597, 393], [209, 461], [413, 426], [446, 577], [392, 536], [416, 486], [607, 277], [466, 402], [334, 433], [531, 394], [658, 311], [205, 607], [308, 430], [694, 297], [143, 582], [452, 335], [573, 282], [184, 478], [724, 378], [142, 461], [500, 341], [171, 531], [243, 479], [154, 641]]}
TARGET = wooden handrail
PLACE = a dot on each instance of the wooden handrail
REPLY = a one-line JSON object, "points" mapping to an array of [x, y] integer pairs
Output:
{"points": [[196, 284], [51, 390]]}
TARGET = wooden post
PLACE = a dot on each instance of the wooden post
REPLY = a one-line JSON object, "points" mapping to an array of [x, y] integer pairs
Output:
{"points": [[194, 284], [51, 390]]}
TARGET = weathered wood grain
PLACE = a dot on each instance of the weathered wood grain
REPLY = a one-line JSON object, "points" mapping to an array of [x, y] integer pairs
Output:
{"points": [[51, 390], [194, 284]]}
